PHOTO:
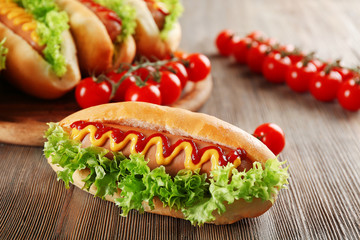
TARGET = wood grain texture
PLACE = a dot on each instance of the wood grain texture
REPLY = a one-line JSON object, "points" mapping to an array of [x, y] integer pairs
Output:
{"points": [[323, 140]]}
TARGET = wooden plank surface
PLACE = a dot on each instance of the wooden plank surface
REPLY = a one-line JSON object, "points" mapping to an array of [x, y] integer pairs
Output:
{"points": [[323, 140]]}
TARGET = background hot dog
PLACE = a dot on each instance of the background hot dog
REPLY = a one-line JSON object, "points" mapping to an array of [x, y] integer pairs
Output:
{"points": [[41, 54]]}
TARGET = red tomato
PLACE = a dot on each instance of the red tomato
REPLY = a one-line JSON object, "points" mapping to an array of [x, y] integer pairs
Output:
{"points": [[319, 64], [270, 42], [274, 67], [170, 88], [345, 73], [224, 42], [179, 70], [240, 49], [89, 93], [324, 87], [126, 83], [180, 54], [199, 67], [148, 93], [256, 56], [298, 76], [256, 35], [145, 73], [272, 136], [349, 95]]}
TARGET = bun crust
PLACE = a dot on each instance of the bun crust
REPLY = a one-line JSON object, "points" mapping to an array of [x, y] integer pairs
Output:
{"points": [[147, 34], [175, 121], [93, 41], [28, 70], [234, 212]]}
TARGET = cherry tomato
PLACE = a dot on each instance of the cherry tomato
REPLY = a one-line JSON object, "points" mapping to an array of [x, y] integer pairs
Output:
{"points": [[240, 49], [256, 56], [298, 76], [126, 83], [170, 88], [256, 35], [145, 73], [199, 67], [270, 42], [179, 70], [272, 136], [274, 67], [320, 65], [180, 54], [224, 42], [324, 87], [89, 93], [345, 73], [349, 95], [148, 93]]}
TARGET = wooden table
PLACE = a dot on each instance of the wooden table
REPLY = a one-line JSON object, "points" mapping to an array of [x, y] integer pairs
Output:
{"points": [[323, 140]]}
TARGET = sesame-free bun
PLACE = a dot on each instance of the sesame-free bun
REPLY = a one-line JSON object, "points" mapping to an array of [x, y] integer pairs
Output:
{"points": [[96, 51], [147, 34], [181, 123], [29, 71], [174, 121]]}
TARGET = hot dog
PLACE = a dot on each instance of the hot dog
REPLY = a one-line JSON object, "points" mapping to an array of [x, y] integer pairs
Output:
{"points": [[167, 161], [41, 57], [102, 31], [158, 32]]}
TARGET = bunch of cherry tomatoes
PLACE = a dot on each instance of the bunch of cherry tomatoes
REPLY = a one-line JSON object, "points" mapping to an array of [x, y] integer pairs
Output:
{"points": [[301, 72], [159, 82]]}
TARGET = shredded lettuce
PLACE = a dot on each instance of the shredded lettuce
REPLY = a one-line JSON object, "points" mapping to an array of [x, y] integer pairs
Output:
{"points": [[175, 10], [126, 13], [50, 25], [191, 192], [3, 52]]}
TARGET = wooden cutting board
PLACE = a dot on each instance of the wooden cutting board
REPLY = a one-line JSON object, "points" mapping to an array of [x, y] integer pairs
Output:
{"points": [[23, 118]]}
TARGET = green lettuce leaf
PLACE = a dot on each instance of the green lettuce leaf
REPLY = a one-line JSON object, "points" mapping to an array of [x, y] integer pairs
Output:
{"points": [[175, 10], [126, 13], [50, 25], [191, 192], [3, 52]]}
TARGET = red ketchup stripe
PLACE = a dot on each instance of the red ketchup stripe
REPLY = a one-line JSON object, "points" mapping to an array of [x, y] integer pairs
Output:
{"points": [[118, 136]]}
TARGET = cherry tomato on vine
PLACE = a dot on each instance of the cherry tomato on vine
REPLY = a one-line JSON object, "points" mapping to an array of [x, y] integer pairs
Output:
{"points": [[272, 136], [324, 87], [275, 66], [170, 88], [256, 35], [224, 42], [145, 73], [349, 94], [89, 93], [298, 76], [126, 83], [147, 93], [241, 48], [256, 56], [199, 67], [179, 70], [345, 73]]}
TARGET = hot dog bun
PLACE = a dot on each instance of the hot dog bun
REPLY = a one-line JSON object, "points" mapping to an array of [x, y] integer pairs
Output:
{"points": [[96, 51], [182, 123], [28, 70], [147, 34], [174, 121]]}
